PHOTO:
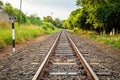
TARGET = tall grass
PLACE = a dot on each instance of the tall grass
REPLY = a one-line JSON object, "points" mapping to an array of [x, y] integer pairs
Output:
{"points": [[106, 39], [5, 37], [5, 32], [23, 33], [26, 32]]}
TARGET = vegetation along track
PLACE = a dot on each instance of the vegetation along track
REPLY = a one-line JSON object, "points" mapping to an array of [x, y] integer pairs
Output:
{"points": [[64, 62]]}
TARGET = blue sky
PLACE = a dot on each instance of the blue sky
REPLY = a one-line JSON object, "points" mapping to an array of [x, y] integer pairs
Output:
{"points": [[55, 8]]}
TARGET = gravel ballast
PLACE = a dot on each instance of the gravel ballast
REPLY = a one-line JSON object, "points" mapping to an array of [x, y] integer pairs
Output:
{"points": [[104, 59], [23, 64]]}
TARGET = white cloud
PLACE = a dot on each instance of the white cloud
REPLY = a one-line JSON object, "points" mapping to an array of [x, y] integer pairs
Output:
{"points": [[60, 8]]}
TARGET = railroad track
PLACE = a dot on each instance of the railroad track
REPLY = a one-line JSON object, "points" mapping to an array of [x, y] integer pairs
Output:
{"points": [[64, 62]]}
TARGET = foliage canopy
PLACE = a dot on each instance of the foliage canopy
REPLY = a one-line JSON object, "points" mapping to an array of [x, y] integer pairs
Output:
{"points": [[98, 15]]}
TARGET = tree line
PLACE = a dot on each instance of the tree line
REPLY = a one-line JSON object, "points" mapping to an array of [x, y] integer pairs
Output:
{"points": [[32, 19], [95, 15]]}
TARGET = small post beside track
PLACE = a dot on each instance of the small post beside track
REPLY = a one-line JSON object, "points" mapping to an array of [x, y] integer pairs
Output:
{"points": [[13, 32]]}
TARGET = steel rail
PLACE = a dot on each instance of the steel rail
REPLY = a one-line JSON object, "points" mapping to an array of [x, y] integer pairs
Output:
{"points": [[39, 71], [84, 62], [87, 66]]}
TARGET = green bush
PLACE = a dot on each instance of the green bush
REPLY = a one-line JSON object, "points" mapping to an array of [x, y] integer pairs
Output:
{"points": [[48, 26]]}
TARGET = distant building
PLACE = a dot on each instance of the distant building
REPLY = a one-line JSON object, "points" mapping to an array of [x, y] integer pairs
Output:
{"points": [[3, 16]]}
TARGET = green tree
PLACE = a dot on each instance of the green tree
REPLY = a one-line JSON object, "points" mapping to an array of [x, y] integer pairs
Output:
{"points": [[1, 4], [34, 19], [57, 22], [9, 9], [101, 14], [48, 19]]}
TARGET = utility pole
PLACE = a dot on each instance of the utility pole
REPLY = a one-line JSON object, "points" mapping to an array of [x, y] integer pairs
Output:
{"points": [[51, 13], [20, 13]]}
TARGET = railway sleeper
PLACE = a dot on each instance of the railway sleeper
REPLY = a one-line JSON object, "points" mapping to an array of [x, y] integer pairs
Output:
{"points": [[65, 73]]}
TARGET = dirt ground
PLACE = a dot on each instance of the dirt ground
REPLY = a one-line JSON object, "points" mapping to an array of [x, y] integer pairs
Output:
{"points": [[5, 52]]}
